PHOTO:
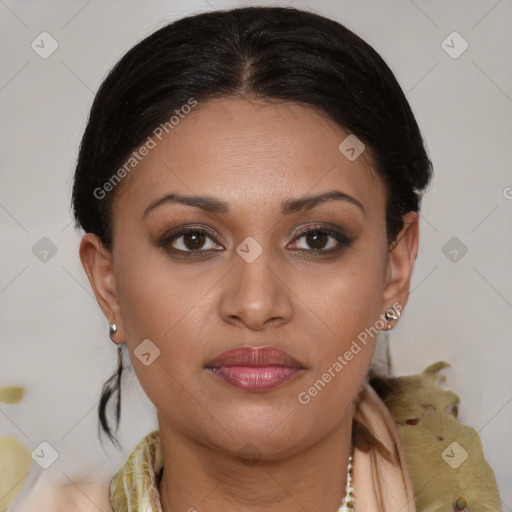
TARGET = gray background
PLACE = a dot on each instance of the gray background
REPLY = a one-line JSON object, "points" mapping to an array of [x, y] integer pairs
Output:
{"points": [[54, 336]]}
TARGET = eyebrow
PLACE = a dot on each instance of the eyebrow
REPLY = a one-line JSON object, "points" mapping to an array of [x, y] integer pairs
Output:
{"points": [[213, 205]]}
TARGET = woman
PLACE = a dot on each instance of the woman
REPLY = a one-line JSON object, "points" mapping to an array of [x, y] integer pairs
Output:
{"points": [[249, 183]]}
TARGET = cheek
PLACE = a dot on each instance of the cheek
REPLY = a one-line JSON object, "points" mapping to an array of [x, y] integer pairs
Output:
{"points": [[165, 304], [156, 308], [350, 306], [348, 299], [153, 294]]}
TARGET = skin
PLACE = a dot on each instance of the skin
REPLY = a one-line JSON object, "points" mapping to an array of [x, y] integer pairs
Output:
{"points": [[253, 155]]}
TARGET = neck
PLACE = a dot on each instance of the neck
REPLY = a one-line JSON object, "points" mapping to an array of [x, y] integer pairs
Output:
{"points": [[198, 478]]}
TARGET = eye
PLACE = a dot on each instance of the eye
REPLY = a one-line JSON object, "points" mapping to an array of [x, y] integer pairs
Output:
{"points": [[190, 240], [321, 239], [196, 241]]}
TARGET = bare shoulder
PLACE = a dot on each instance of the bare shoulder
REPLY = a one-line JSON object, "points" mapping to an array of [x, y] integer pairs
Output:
{"points": [[80, 496]]}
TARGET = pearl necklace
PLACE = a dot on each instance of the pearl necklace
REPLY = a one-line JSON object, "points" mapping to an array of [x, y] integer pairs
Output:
{"points": [[349, 498]]}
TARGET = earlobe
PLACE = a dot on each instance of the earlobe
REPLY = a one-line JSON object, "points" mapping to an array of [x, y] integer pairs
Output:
{"points": [[402, 256], [97, 263]]}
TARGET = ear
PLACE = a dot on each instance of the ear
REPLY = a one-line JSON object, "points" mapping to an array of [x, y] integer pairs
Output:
{"points": [[402, 255], [97, 263]]}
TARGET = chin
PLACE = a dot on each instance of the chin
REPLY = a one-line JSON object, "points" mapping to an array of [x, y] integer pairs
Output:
{"points": [[267, 433]]}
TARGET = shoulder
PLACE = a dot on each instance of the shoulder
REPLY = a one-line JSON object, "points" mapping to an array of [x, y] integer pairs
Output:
{"points": [[79, 496]]}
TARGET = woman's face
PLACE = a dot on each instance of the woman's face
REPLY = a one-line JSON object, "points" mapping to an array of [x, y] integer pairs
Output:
{"points": [[250, 277]]}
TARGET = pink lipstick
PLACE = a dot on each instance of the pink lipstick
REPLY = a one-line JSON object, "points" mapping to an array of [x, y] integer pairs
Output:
{"points": [[255, 369]]}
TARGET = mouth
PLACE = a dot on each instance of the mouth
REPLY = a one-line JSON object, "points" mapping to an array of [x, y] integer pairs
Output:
{"points": [[254, 369]]}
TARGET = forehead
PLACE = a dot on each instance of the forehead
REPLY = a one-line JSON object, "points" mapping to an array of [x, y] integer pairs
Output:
{"points": [[250, 153]]}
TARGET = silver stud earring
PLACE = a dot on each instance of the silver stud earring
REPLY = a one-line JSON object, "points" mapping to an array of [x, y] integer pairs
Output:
{"points": [[112, 331], [392, 314]]}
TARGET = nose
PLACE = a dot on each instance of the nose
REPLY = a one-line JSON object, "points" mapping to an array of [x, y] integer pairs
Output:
{"points": [[256, 294]]}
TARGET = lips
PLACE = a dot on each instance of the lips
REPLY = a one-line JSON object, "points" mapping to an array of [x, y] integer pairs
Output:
{"points": [[255, 357], [254, 369]]}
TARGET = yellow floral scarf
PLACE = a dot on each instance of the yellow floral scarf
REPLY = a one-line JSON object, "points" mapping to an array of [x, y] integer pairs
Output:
{"points": [[135, 487]]}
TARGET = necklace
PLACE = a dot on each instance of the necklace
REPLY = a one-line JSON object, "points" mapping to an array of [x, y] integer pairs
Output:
{"points": [[349, 498]]}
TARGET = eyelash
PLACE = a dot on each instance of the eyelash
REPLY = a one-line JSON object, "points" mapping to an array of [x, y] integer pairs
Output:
{"points": [[339, 235]]}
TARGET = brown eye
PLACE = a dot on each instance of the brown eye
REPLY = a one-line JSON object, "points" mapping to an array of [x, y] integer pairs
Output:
{"points": [[320, 240], [190, 240], [317, 239], [193, 240]]}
